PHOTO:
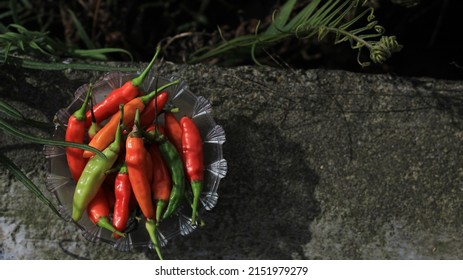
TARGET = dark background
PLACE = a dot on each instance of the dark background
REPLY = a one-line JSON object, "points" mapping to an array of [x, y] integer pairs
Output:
{"points": [[428, 32]]}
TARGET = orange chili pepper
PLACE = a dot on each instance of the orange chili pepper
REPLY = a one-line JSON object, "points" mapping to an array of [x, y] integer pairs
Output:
{"points": [[136, 166], [135, 159], [106, 135]]}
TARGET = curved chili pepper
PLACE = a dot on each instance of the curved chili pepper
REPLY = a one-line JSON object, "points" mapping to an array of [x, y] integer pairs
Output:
{"points": [[98, 212], [121, 95], [135, 159], [94, 174], [162, 183], [149, 113], [193, 160], [173, 130], [123, 192], [75, 132], [106, 135], [175, 166]]}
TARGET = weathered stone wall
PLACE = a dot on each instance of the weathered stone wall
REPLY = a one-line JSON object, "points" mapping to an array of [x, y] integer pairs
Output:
{"points": [[321, 165]]}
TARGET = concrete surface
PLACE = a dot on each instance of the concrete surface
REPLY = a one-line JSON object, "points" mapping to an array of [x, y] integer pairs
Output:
{"points": [[321, 165]]}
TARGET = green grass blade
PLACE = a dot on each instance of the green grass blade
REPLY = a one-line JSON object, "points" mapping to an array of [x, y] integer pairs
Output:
{"points": [[6, 51], [10, 111], [100, 52], [58, 66], [27, 4], [16, 171], [5, 14], [21, 29], [81, 31], [18, 133], [36, 47], [2, 28], [14, 11]]}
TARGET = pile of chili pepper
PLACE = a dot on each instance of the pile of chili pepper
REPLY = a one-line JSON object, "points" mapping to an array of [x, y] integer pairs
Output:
{"points": [[148, 170]]}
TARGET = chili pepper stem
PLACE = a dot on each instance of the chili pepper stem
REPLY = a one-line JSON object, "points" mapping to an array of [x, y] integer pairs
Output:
{"points": [[80, 114], [196, 187], [160, 205], [94, 127], [104, 223], [151, 228], [139, 80], [201, 222], [146, 98]]}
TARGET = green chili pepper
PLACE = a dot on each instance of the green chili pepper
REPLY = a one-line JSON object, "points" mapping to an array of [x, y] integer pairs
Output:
{"points": [[175, 165], [94, 174]]}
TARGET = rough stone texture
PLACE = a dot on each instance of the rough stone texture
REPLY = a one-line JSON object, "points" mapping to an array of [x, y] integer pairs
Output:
{"points": [[321, 165]]}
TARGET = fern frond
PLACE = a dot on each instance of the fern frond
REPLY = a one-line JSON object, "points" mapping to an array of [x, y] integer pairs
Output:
{"points": [[318, 18]]}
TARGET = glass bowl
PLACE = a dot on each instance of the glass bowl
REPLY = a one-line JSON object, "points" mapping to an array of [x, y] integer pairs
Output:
{"points": [[60, 183]]}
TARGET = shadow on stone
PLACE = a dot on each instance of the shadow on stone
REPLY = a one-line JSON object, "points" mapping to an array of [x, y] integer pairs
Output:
{"points": [[266, 202], [40, 90]]}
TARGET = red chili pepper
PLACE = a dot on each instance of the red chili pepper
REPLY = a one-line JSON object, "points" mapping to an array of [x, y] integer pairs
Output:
{"points": [[135, 158], [149, 113], [75, 132], [128, 91], [98, 212], [193, 159], [173, 130], [162, 182], [123, 192], [106, 135]]}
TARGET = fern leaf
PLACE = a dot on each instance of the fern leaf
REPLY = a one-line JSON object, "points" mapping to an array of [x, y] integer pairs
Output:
{"points": [[281, 19], [316, 18]]}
